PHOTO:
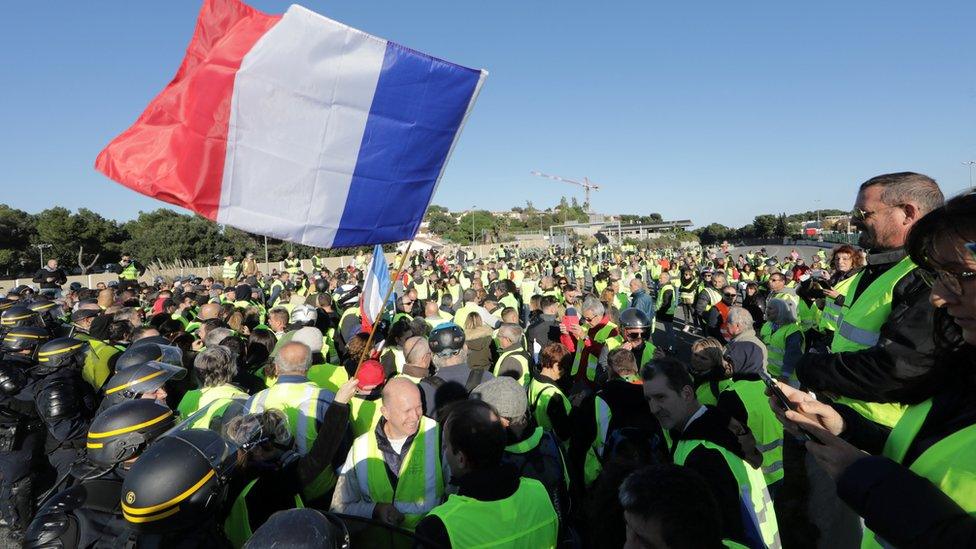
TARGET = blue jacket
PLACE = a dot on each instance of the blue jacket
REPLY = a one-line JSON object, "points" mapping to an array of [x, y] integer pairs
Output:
{"points": [[643, 302]]}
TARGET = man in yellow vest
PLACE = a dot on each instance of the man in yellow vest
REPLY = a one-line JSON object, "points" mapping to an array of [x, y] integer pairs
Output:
{"points": [[394, 472], [493, 506], [886, 317], [303, 402], [719, 448], [513, 360], [230, 271]]}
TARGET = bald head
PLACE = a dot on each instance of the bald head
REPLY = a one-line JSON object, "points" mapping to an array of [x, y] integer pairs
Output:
{"points": [[293, 358], [401, 408], [208, 311], [417, 351]]}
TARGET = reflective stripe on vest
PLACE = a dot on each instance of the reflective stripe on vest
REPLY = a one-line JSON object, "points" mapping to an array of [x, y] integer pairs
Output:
{"points": [[947, 464], [860, 328], [299, 402], [539, 396], [519, 356], [237, 526], [714, 297], [524, 519], [230, 270], [420, 484], [830, 319], [593, 463], [764, 426], [667, 288], [600, 339], [776, 345], [758, 515]]}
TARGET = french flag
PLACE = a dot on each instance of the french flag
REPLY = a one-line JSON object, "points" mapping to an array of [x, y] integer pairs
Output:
{"points": [[298, 127], [376, 284]]}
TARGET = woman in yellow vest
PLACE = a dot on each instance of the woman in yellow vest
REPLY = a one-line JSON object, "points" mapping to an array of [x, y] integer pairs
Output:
{"points": [[846, 262], [215, 368], [918, 489]]}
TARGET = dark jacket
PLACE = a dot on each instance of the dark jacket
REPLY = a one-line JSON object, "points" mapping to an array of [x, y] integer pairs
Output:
{"points": [[49, 279], [906, 343], [543, 331], [277, 488], [756, 305], [628, 408], [926, 516], [712, 426]]}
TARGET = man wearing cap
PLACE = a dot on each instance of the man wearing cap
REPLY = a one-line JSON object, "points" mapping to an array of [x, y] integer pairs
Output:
{"points": [[530, 449], [98, 361], [394, 472]]}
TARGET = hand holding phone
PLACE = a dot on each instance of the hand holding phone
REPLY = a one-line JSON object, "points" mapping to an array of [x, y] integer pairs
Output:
{"points": [[795, 408]]}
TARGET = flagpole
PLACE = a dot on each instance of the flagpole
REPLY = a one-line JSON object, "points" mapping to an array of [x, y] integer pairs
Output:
{"points": [[369, 342]]}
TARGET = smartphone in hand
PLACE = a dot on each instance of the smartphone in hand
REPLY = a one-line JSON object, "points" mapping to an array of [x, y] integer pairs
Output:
{"points": [[786, 403]]}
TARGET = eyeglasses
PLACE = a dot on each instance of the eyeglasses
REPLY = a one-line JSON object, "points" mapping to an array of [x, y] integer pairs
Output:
{"points": [[953, 281], [858, 214], [729, 295]]}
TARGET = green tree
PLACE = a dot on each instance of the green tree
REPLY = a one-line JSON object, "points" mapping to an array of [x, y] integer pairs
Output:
{"points": [[16, 230], [764, 225], [782, 227], [168, 236]]}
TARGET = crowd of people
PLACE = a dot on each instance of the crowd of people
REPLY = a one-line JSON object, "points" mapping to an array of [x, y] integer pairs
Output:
{"points": [[588, 397]]}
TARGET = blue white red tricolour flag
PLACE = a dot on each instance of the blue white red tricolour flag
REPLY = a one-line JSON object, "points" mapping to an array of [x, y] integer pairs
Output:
{"points": [[375, 285], [298, 127]]}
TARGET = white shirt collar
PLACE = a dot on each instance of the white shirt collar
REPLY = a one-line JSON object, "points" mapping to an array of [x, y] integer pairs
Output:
{"points": [[701, 410]]}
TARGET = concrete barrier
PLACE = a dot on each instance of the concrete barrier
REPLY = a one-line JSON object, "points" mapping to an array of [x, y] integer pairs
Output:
{"points": [[332, 263]]}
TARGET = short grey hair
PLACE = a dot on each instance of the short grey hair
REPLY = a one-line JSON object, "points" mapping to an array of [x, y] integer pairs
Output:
{"points": [[740, 317], [593, 304], [908, 188], [215, 366], [785, 310], [286, 367], [461, 357], [215, 336], [511, 332]]}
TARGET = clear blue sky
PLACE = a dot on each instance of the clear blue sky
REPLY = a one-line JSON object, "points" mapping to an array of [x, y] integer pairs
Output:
{"points": [[714, 111]]}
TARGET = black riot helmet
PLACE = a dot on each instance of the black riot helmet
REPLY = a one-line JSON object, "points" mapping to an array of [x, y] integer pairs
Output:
{"points": [[446, 339], [141, 352], [178, 483], [19, 315], [24, 338], [306, 528], [125, 430], [132, 382], [321, 285], [635, 318], [49, 311], [63, 352]]}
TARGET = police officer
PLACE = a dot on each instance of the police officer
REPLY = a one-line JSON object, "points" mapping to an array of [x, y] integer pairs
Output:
{"points": [[21, 430], [85, 512], [144, 381], [65, 402], [172, 494]]}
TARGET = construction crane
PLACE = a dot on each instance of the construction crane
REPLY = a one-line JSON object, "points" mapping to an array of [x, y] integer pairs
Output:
{"points": [[586, 184]]}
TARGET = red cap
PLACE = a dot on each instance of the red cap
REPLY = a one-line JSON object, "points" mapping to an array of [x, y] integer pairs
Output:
{"points": [[370, 374]]}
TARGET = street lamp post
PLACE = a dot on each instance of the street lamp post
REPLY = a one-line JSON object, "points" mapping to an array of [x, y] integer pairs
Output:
{"points": [[972, 175], [40, 250], [472, 227]]}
